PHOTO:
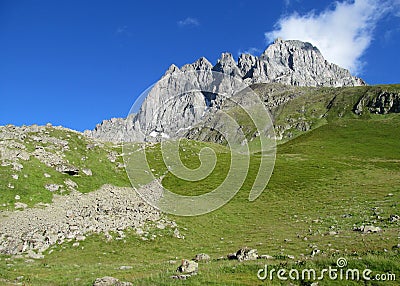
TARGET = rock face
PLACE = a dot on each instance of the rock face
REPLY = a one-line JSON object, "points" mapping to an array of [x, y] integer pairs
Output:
{"points": [[386, 102], [182, 97], [294, 63]]}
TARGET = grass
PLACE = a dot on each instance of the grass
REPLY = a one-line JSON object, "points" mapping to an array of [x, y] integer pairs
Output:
{"points": [[325, 180], [340, 175]]}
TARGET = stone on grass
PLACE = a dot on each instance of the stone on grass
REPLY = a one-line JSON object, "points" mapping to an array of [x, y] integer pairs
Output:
{"points": [[52, 187], [188, 266], [266, 256], [70, 184], [368, 229], [87, 171], [394, 218], [67, 169], [246, 253], [110, 281], [315, 252], [202, 257]]}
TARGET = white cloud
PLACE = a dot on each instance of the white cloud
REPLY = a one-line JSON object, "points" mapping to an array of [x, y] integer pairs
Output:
{"points": [[342, 32], [189, 21], [252, 51], [123, 31]]}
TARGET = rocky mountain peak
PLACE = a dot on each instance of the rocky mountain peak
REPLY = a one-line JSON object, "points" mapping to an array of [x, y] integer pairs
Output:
{"points": [[201, 64], [227, 65], [172, 69], [167, 109]]}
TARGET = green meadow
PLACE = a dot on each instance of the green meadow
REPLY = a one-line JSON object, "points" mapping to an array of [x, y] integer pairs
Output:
{"points": [[342, 174]]}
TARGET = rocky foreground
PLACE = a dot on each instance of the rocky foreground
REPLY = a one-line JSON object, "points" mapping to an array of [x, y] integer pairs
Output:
{"points": [[39, 162], [74, 216]]}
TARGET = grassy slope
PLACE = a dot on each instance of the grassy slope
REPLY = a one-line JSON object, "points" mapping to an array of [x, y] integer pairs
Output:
{"points": [[31, 181], [335, 177], [346, 167], [317, 106]]}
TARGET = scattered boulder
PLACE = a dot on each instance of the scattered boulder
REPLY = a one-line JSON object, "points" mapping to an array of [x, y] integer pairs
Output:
{"points": [[368, 229], [52, 187], [70, 184], [394, 218], [125, 267], [202, 257], [87, 171], [67, 169], [246, 253], [177, 234], [188, 267], [110, 281], [17, 166], [112, 156], [181, 276], [315, 252]]}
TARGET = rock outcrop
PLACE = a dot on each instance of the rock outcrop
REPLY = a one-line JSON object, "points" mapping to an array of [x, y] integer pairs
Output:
{"points": [[183, 96], [386, 102]]}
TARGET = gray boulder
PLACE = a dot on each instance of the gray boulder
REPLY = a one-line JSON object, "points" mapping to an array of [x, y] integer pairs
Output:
{"points": [[110, 281], [202, 257], [188, 267], [246, 253]]}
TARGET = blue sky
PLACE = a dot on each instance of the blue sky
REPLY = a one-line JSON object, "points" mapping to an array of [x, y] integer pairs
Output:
{"points": [[75, 63]]}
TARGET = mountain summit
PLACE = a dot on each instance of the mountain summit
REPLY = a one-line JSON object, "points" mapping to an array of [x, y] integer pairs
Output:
{"points": [[294, 63], [291, 62]]}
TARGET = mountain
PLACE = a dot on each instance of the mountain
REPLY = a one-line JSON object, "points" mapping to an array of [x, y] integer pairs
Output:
{"points": [[184, 96]]}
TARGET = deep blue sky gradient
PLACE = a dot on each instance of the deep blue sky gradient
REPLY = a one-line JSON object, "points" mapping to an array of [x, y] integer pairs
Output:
{"points": [[75, 63]]}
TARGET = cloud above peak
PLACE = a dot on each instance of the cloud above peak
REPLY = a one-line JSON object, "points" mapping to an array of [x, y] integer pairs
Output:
{"points": [[341, 32], [189, 21]]}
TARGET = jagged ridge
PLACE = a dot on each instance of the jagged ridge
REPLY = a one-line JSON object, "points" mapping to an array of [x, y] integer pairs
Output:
{"points": [[289, 62]]}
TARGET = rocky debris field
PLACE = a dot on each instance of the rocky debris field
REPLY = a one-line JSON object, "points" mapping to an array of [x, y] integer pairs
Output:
{"points": [[74, 216], [19, 144], [59, 186], [39, 161]]}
